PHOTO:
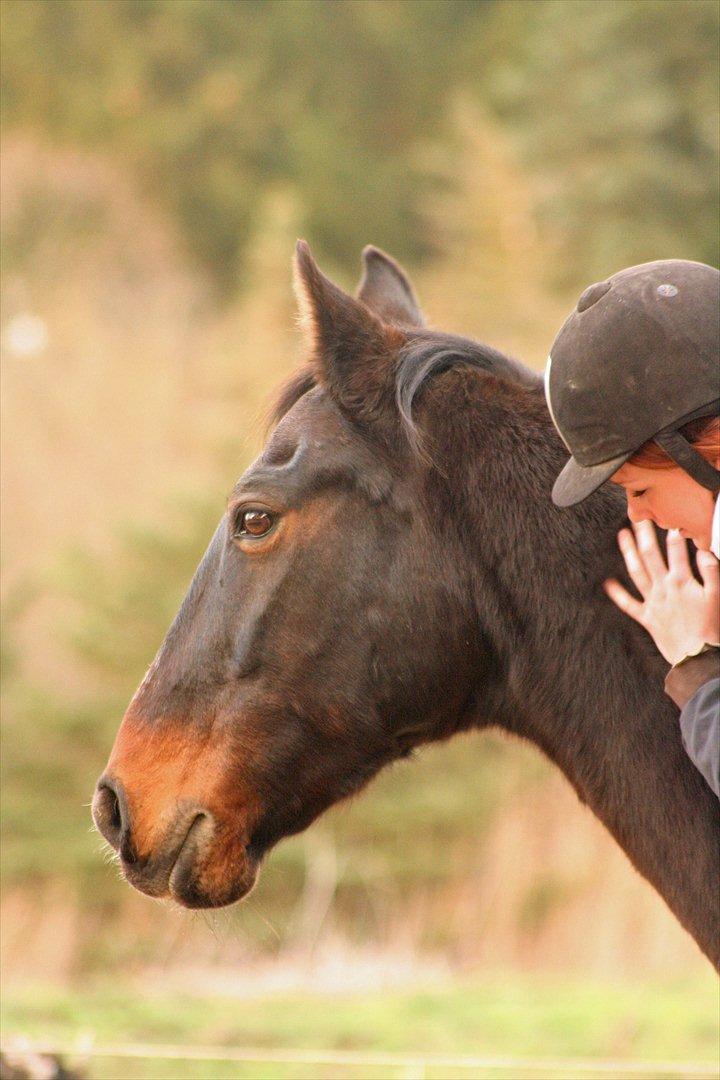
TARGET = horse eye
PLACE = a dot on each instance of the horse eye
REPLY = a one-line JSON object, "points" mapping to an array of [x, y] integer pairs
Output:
{"points": [[253, 523]]}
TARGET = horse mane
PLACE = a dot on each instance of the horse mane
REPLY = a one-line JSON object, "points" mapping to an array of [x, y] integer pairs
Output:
{"points": [[423, 357]]}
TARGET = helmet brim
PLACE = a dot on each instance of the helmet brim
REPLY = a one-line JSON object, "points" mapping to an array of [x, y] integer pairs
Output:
{"points": [[576, 482]]}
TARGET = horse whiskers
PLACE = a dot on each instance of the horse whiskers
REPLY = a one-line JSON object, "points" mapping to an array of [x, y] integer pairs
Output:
{"points": [[251, 906]]}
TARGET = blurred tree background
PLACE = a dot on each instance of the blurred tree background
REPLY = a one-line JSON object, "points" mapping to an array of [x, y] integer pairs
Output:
{"points": [[160, 158], [610, 105]]}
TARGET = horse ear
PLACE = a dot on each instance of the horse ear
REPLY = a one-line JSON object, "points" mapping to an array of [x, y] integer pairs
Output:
{"points": [[352, 348], [386, 290]]}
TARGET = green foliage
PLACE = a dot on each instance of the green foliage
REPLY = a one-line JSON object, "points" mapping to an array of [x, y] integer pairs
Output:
{"points": [[211, 102], [514, 1016], [613, 106]]}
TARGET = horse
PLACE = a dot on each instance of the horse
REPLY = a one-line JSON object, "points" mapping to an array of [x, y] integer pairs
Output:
{"points": [[388, 572]]}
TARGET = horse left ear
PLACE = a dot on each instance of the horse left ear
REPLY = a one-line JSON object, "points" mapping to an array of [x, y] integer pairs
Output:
{"points": [[352, 348]]}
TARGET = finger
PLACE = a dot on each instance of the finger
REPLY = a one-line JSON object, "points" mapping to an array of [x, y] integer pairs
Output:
{"points": [[635, 566], [622, 599], [649, 549], [677, 556], [709, 569]]}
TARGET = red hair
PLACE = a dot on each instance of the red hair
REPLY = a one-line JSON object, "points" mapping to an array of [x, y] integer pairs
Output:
{"points": [[703, 435]]}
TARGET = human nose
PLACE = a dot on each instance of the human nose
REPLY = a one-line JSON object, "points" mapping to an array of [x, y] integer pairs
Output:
{"points": [[635, 513]]}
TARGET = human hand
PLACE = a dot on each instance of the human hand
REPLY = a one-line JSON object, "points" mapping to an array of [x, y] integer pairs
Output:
{"points": [[678, 612]]}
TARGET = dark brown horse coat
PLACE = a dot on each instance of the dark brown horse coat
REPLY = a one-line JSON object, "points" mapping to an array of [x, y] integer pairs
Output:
{"points": [[391, 570]]}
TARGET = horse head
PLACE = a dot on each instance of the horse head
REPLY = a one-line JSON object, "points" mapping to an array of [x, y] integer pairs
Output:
{"points": [[329, 627]]}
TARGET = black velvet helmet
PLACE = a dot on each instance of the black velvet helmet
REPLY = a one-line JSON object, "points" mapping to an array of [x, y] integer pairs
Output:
{"points": [[637, 359]]}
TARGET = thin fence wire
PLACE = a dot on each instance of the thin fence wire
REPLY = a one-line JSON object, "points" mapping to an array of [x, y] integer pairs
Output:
{"points": [[411, 1066]]}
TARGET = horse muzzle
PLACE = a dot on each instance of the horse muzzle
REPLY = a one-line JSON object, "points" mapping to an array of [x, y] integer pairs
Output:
{"points": [[195, 861]]}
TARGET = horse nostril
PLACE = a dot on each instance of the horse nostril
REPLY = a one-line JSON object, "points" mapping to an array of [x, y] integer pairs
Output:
{"points": [[114, 810], [109, 812]]}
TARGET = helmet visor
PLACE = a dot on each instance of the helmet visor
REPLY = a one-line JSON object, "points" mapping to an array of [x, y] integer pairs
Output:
{"points": [[576, 482]]}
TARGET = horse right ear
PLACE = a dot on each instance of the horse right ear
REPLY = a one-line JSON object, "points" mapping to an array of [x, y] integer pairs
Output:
{"points": [[386, 289], [353, 349]]}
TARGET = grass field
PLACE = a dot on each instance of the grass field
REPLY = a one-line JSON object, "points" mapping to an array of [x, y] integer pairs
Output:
{"points": [[503, 1017]]}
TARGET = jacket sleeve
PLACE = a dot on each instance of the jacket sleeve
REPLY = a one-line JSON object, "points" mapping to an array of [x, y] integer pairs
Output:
{"points": [[694, 686]]}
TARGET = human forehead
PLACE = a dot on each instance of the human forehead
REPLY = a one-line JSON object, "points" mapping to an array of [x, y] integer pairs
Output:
{"points": [[636, 475], [628, 474]]}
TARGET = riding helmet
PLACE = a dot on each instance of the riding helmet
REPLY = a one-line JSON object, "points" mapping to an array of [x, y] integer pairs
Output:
{"points": [[636, 360]]}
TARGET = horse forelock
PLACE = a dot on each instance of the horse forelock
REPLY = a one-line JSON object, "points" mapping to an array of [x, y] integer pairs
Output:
{"points": [[300, 383], [423, 359]]}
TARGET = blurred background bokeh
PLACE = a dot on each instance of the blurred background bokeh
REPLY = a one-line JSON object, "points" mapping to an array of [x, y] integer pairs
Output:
{"points": [[160, 158]]}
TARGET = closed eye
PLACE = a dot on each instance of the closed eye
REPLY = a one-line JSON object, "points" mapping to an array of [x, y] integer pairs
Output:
{"points": [[637, 494]]}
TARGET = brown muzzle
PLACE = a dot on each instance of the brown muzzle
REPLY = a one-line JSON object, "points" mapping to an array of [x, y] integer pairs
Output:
{"points": [[165, 807]]}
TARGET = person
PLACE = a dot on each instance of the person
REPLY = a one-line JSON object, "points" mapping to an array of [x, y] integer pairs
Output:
{"points": [[633, 387]]}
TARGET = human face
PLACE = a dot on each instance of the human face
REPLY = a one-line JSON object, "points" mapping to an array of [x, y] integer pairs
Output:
{"points": [[670, 498]]}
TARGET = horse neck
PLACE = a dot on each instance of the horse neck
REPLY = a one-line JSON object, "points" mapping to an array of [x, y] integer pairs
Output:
{"points": [[577, 678]]}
